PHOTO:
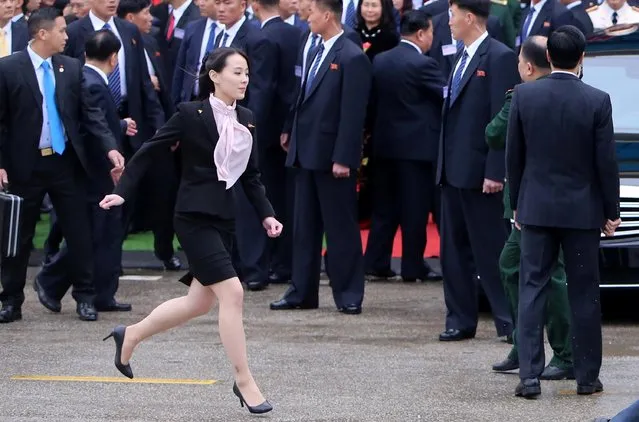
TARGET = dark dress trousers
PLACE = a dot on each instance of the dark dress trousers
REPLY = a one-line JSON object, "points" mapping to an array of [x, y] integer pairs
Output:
{"points": [[106, 228], [407, 99], [327, 128], [205, 209], [32, 174], [472, 222], [564, 185], [257, 253]]}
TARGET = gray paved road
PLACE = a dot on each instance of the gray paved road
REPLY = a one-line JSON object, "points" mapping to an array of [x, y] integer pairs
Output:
{"points": [[383, 365]]}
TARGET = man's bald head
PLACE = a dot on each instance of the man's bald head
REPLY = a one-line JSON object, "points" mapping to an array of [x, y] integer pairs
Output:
{"points": [[533, 50]]}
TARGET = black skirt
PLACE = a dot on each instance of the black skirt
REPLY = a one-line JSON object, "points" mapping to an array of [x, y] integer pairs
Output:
{"points": [[207, 242]]}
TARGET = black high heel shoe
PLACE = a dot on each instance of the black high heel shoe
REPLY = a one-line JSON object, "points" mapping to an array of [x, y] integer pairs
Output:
{"points": [[118, 335], [260, 408]]}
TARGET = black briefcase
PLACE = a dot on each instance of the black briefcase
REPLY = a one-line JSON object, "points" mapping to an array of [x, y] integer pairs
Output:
{"points": [[10, 213]]}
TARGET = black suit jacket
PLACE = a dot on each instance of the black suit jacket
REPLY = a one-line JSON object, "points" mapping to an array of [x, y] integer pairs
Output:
{"points": [[327, 125], [436, 8], [188, 62], [171, 47], [582, 20], [193, 125], [465, 159], [285, 39], [442, 37], [550, 17], [144, 106], [155, 56], [21, 113], [19, 36], [562, 175], [99, 96], [407, 99]]}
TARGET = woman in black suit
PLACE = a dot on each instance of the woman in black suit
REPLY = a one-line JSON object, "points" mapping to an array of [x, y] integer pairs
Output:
{"points": [[216, 139]]}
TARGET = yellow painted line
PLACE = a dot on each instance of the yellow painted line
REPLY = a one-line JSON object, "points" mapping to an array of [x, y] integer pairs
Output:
{"points": [[113, 379]]}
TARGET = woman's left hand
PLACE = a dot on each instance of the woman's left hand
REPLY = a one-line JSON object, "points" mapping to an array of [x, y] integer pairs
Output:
{"points": [[272, 226]]}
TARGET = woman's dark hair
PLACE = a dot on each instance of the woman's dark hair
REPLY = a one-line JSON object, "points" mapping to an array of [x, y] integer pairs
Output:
{"points": [[387, 20], [215, 61]]}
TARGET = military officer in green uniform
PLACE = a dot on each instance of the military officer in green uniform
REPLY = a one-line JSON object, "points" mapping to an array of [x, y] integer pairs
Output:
{"points": [[532, 66], [509, 14]]}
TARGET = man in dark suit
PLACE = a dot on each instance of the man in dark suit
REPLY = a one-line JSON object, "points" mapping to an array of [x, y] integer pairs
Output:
{"points": [[18, 12], [581, 18], [53, 280], [542, 17], [174, 16], [14, 36], [42, 103], [445, 48], [199, 39], [324, 143], [564, 190], [288, 13], [435, 7], [407, 100], [161, 182], [471, 174], [258, 254]]}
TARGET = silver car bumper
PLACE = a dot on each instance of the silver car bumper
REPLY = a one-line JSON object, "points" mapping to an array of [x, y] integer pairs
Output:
{"points": [[627, 235]]}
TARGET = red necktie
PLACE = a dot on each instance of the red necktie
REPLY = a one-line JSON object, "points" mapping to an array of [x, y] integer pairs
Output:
{"points": [[169, 30]]}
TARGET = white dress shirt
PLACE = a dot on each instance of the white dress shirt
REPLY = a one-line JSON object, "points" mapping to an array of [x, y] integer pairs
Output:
{"points": [[100, 72], [471, 50], [211, 25], [45, 133], [149, 63], [232, 31], [179, 12], [602, 16], [98, 24], [573, 4], [290, 20], [307, 47], [538, 8], [328, 44], [7, 36], [415, 46], [16, 18]]}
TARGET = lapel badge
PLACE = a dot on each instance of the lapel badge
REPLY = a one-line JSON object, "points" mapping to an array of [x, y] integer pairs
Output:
{"points": [[481, 73], [251, 126], [199, 111], [61, 69], [133, 41], [157, 54], [546, 24], [334, 66]]}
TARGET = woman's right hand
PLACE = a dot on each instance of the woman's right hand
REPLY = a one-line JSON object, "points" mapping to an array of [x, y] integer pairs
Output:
{"points": [[111, 200]]}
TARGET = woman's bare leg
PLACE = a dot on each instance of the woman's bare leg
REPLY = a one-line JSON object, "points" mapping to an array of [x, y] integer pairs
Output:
{"points": [[230, 295], [169, 314]]}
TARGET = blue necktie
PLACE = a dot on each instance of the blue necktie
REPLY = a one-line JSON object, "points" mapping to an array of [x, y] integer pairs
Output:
{"points": [[524, 30], [460, 45], [224, 38], [114, 79], [458, 77], [55, 124], [210, 44], [314, 38], [313, 71], [350, 14]]}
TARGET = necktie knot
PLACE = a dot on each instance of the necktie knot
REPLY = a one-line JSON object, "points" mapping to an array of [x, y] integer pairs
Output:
{"points": [[45, 65], [107, 26]]}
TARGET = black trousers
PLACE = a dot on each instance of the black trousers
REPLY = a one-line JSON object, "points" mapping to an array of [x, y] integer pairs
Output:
{"points": [[403, 193], [60, 177], [106, 232], [326, 204], [539, 254], [472, 230]]}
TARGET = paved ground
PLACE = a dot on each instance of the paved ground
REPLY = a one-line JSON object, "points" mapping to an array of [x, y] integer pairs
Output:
{"points": [[383, 365]]}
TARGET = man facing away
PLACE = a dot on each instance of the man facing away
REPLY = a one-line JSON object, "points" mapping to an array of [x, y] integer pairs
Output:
{"points": [[533, 65], [564, 189]]}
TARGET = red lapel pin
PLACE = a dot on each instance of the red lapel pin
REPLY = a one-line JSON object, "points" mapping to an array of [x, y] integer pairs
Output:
{"points": [[481, 73], [334, 66]]}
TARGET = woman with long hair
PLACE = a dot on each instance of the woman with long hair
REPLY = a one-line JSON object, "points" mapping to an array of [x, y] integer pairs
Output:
{"points": [[216, 141]]}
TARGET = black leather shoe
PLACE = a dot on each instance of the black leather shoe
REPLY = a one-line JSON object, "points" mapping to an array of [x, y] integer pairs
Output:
{"points": [[284, 305], [453, 334], [383, 275], [173, 264], [256, 286], [552, 373], [351, 310], [278, 279], [46, 301], [430, 275], [260, 408], [506, 365], [87, 312], [115, 307], [590, 388], [10, 313], [528, 388]]}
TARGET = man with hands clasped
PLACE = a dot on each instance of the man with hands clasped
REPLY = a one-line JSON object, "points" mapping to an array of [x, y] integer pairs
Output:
{"points": [[43, 103]]}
